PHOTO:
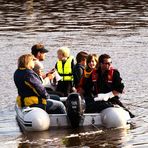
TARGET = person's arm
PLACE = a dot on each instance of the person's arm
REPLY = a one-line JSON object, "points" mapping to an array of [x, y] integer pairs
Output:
{"points": [[32, 81], [80, 86], [56, 66], [86, 86], [78, 73], [118, 85], [72, 65]]}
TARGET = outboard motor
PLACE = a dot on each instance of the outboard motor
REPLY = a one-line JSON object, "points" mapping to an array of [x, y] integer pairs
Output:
{"points": [[75, 109]]}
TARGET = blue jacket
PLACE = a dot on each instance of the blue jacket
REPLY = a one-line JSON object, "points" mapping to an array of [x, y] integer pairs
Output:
{"points": [[78, 73], [29, 84]]}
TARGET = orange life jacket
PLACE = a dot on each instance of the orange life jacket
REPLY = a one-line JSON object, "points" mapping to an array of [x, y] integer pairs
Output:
{"points": [[87, 73]]}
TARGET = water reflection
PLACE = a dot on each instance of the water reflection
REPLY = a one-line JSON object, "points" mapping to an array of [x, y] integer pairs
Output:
{"points": [[54, 15], [90, 138], [41, 139], [117, 27]]}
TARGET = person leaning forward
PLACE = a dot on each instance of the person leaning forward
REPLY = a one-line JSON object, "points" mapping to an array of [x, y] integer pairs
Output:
{"points": [[31, 92], [103, 87], [39, 51]]}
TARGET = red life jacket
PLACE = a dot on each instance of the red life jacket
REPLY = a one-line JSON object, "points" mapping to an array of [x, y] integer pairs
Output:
{"points": [[110, 75], [95, 77]]}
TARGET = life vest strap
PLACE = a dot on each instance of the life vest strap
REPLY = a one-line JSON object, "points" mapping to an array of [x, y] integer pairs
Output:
{"points": [[70, 74], [95, 78]]}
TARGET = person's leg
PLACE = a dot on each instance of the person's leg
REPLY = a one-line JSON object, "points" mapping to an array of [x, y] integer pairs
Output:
{"points": [[42, 106], [115, 100], [54, 97], [56, 107], [96, 106], [52, 92], [101, 105], [64, 87], [90, 106]]}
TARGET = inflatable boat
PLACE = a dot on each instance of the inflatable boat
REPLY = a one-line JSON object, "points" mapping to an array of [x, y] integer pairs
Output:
{"points": [[36, 119]]}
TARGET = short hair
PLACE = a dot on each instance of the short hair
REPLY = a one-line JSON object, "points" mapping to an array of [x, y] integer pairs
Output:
{"points": [[81, 56], [102, 57], [23, 61], [38, 48], [65, 51]]}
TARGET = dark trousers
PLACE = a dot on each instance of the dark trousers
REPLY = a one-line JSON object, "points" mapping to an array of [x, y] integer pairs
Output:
{"points": [[64, 87], [96, 106], [52, 107]]}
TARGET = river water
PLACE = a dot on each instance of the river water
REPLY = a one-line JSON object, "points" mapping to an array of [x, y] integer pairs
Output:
{"points": [[116, 27]]}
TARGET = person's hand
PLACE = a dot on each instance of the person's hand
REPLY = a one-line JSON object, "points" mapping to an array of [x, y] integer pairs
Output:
{"points": [[74, 89], [51, 71], [57, 76], [50, 76], [104, 97]]}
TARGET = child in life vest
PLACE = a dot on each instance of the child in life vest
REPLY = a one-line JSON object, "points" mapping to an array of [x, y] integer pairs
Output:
{"points": [[64, 67], [79, 67], [91, 64]]}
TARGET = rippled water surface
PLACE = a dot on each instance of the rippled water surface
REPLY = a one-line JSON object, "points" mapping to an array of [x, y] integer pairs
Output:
{"points": [[116, 27]]}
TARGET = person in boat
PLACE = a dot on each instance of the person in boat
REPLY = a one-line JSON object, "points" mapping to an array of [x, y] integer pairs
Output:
{"points": [[64, 67], [104, 86], [38, 69], [79, 67], [31, 92], [39, 52], [91, 64]]}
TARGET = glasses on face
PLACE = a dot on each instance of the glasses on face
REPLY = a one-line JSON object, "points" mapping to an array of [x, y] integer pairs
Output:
{"points": [[107, 63]]}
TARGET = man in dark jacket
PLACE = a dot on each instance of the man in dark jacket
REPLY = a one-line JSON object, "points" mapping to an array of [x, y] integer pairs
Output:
{"points": [[103, 87]]}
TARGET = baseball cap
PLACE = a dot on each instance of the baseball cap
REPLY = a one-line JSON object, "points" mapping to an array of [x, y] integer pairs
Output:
{"points": [[38, 48]]}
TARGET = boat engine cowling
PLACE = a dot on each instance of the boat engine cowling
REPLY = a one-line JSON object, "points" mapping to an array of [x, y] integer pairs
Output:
{"points": [[75, 109]]}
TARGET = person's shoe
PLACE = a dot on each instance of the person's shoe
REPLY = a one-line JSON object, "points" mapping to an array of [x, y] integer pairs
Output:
{"points": [[131, 115]]}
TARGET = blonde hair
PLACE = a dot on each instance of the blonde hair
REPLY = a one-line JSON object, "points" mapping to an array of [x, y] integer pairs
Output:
{"points": [[23, 61], [65, 51]]}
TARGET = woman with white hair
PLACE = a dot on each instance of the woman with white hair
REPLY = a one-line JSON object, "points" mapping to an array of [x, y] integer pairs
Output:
{"points": [[47, 82]]}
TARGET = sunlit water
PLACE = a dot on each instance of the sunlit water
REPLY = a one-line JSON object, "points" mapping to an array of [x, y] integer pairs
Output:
{"points": [[116, 27]]}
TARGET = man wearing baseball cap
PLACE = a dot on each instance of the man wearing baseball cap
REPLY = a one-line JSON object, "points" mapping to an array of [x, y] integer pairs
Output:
{"points": [[39, 51]]}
